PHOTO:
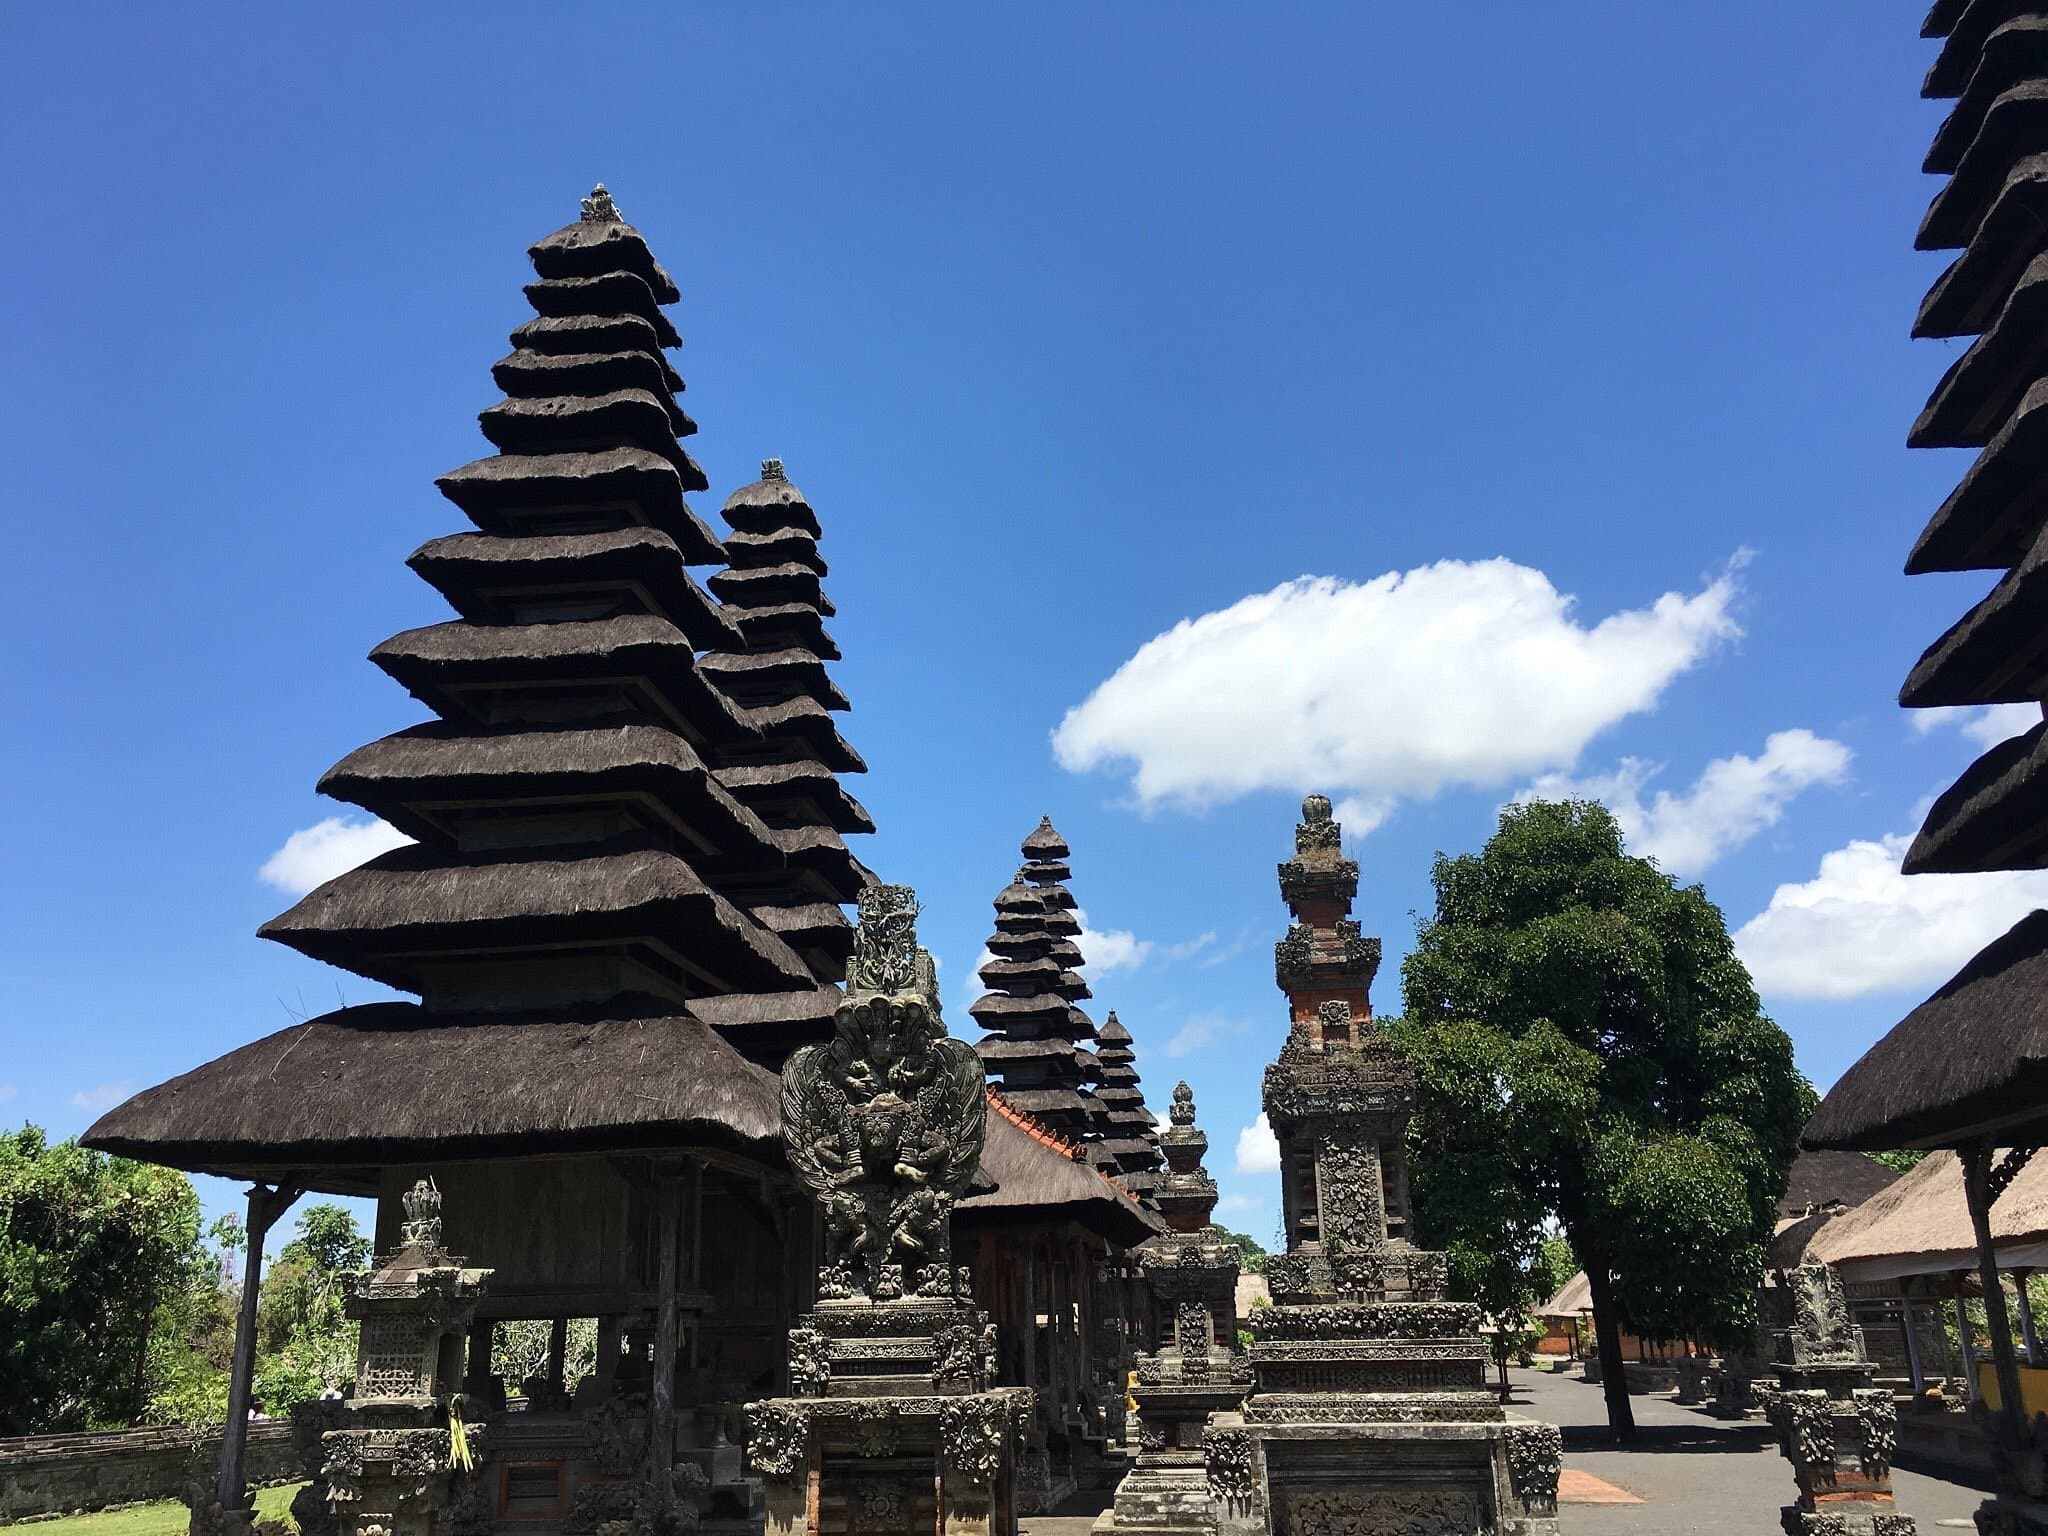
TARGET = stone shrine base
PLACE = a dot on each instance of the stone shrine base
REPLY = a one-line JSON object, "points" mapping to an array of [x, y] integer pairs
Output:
{"points": [[1395, 1478]]}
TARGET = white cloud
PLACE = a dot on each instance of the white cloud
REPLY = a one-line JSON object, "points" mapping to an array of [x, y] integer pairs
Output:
{"points": [[1201, 1031], [105, 1096], [1458, 673], [1107, 951], [1860, 927], [1732, 800], [1987, 725], [1111, 950], [1257, 1151], [1233, 1205], [316, 854]]}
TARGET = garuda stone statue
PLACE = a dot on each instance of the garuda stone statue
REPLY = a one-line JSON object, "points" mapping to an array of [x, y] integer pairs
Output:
{"points": [[885, 1121]]}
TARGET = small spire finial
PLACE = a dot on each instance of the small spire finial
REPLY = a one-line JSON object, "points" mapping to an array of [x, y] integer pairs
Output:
{"points": [[598, 208], [771, 469], [1183, 1108]]}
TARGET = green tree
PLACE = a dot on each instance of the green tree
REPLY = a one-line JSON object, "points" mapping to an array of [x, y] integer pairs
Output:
{"points": [[94, 1252], [1251, 1258], [1589, 1047], [305, 1342]]}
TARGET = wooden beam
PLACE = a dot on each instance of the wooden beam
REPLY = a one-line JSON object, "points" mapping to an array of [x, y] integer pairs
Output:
{"points": [[266, 1203], [1978, 1192]]}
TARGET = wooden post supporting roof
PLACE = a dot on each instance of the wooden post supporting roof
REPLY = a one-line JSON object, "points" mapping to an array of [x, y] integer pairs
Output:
{"points": [[267, 1202]]}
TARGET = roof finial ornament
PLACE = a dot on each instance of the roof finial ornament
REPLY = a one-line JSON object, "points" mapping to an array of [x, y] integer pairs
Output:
{"points": [[1182, 1111], [1317, 829], [771, 469], [598, 208]]}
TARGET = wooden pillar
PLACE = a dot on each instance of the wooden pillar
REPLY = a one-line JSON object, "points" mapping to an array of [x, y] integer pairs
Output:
{"points": [[661, 1427], [558, 1355], [1914, 1367], [266, 1203], [607, 1368], [2026, 1309], [1977, 1191], [1030, 1298]]}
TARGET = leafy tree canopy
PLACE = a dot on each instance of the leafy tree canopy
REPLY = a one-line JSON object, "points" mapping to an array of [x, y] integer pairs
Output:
{"points": [[1588, 1047], [91, 1249]]}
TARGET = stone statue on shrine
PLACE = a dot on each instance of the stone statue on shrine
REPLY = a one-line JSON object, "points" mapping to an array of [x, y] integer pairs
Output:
{"points": [[884, 1123], [893, 1421]]}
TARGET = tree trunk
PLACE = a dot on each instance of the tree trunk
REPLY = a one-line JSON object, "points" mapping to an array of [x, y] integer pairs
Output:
{"points": [[1621, 1416]]}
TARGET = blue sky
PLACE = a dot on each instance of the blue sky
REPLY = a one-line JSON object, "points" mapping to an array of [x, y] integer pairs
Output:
{"points": [[1565, 349]]}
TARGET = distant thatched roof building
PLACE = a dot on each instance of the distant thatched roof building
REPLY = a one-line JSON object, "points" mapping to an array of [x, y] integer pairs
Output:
{"points": [[1920, 1225]]}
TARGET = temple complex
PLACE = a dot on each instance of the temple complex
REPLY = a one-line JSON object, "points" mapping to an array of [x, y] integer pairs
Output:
{"points": [[1369, 1409], [1034, 1050], [621, 910]]}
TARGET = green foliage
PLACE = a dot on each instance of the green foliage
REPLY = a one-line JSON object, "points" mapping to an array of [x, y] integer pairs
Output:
{"points": [[95, 1253], [519, 1351], [305, 1343], [1251, 1257], [1588, 1047], [1555, 1264], [1901, 1159]]}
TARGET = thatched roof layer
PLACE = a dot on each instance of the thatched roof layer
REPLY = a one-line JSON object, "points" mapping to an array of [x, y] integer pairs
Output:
{"points": [[1997, 653], [505, 493], [388, 1082], [1978, 393], [1824, 1179], [1966, 298], [1994, 817], [2014, 55], [1034, 1048], [2016, 124], [1042, 1177], [1971, 1060], [1920, 1225]]}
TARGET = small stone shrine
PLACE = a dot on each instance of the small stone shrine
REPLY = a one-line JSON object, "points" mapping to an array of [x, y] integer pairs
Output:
{"points": [[1198, 1371], [1834, 1426], [1370, 1411], [394, 1466], [893, 1424]]}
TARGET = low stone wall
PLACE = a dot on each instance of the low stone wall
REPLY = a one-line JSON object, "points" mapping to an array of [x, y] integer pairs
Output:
{"points": [[46, 1475]]}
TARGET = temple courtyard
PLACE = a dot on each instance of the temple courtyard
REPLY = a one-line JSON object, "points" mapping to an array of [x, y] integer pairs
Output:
{"points": [[1688, 1473]]}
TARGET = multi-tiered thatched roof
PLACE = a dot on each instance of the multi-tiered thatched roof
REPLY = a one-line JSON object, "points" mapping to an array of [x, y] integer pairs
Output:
{"points": [[600, 869], [1132, 1138], [1034, 1051], [1973, 1059]]}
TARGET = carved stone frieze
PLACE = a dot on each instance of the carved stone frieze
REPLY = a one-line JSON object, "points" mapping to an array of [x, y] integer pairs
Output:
{"points": [[973, 1432], [1230, 1458], [1382, 1512], [810, 1362], [1535, 1460], [778, 1439]]}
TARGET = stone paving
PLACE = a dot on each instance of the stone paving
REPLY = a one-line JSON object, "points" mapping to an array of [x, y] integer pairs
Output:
{"points": [[1689, 1474]]}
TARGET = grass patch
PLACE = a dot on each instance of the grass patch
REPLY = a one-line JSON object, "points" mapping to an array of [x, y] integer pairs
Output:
{"points": [[168, 1518]]}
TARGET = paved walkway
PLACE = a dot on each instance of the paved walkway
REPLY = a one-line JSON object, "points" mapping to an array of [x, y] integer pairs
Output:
{"points": [[1689, 1474]]}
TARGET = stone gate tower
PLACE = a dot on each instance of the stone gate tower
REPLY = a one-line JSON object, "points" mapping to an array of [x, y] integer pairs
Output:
{"points": [[1369, 1410]]}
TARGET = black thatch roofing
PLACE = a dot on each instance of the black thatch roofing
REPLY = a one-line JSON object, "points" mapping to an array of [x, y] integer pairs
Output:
{"points": [[489, 579], [2016, 124], [593, 247], [414, 777], [1820, 1179], [771, 505], [389, 1082], [1997, 653], [1969, 1061], [455, 668], [1045, 844], [1993, 516], [1994, 817], [2014, 53], [610, 293], [397, 916], [503, 493], [1965, 299], [1977, 394], [634, 418], [800, 779]]}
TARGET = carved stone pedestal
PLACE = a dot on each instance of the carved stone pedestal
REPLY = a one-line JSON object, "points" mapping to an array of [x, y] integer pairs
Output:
{"points": [[897, 1430], [1833, 1425]]}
